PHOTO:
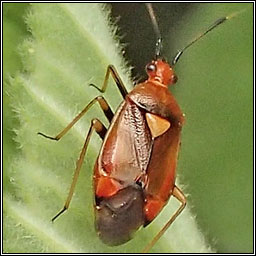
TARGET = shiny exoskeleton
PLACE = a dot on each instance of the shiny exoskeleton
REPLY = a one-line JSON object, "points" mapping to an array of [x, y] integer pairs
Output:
{"points": [[134, 175]]}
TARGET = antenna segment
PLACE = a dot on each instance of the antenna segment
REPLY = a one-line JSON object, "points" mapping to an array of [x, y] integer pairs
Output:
{"points": [[152, 15], [214, 25]]}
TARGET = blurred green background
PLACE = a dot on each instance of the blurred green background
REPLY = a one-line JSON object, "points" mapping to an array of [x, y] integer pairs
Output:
{"points": [[215, 91]]}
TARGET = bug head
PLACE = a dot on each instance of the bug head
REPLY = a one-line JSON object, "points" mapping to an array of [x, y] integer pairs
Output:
{"points": [[159, 70]]}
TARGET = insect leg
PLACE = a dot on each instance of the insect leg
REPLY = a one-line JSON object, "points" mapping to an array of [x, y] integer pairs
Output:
{"points": [[181, 197], [112, 70], [101, 130], [104, 106]]}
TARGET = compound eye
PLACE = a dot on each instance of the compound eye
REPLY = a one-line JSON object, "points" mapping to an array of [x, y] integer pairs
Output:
{"points": [[174, 79], [151, 68]]}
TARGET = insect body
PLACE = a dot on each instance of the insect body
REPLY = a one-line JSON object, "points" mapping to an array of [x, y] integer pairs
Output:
{"points": [[135, 170], [134, 174]]}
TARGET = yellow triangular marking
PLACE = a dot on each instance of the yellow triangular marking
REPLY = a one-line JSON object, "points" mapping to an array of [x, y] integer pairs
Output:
{"points": [[157, 125]]}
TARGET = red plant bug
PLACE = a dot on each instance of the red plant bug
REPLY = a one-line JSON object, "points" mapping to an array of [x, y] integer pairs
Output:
{"points": [[134, 174]]}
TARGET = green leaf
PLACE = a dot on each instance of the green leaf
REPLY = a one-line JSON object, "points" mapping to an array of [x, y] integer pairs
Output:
{"points": [[72, 45], [14, 32]]}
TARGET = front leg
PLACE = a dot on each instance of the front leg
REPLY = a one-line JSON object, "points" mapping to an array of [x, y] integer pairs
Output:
{"points": [[112, 70]]}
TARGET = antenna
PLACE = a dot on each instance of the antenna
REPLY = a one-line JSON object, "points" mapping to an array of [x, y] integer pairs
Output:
{"points": [[214, 25], [152, 15]]}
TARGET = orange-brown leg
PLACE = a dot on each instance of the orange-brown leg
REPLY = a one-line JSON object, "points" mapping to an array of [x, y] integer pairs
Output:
{"points": [[104, 106], [111, 70], [101, 130], [181, 197]]}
